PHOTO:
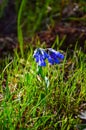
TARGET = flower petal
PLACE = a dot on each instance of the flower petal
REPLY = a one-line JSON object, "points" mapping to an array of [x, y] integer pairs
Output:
{"points": [[60, 55], [37, 59], [36, 53], [56, 61], [41, 62], [44, 54], [50, 60]]}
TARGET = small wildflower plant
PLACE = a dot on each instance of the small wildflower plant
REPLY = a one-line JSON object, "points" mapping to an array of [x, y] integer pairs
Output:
{"points": [[41, 55]]}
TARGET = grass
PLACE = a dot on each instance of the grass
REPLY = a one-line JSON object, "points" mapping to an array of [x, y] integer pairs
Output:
{"points": [[24, 102]]}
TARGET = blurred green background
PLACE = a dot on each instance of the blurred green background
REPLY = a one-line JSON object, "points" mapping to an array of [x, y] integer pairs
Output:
{"points": [[34, 15]]}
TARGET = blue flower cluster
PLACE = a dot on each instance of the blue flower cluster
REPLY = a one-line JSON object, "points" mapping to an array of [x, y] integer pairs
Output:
{"points": [[53, 57]]}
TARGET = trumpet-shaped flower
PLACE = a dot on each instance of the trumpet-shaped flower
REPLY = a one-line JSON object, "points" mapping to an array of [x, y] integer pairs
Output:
{"points": [[53, 57], [55, 54]]}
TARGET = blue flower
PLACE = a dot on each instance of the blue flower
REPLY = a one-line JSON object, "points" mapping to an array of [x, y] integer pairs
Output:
{"points": [[40, 56], [41, 52], [55, 54], [53, 57]]}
